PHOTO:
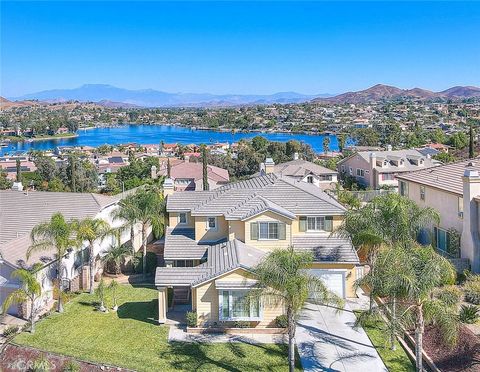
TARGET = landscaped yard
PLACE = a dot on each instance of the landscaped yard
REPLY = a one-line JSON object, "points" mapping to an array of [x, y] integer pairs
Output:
{"points": [[132, 338], [396, 361]]}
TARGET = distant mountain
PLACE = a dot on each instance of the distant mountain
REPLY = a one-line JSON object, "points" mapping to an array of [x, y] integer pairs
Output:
{"points": [[386, 92], [5, 103], [155, 98]]}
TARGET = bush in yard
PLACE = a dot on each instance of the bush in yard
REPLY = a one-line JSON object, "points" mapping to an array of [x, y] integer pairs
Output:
{"points": [[450, 294], [241, 324], [471, 289], [42, 364], [151, 262], [469, 314], [71, 366], [10, 331], [281, 321], [191, 319]]}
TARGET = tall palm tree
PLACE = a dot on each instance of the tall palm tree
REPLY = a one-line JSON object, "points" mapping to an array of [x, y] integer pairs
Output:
{"points": [[282, 278], [90, 230], [147, 208], [30, 291], [116, 255], [57, 234]]}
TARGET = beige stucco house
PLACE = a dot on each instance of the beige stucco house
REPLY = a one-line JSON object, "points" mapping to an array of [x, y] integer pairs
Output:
{"points": [[454, 191], [215, 238]]}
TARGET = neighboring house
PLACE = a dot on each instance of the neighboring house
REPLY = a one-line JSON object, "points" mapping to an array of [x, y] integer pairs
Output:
{"points": [[188, 176], [11, 167], [215, 239], [380, 169], [20, 212], [454, 191], [301, 170]]}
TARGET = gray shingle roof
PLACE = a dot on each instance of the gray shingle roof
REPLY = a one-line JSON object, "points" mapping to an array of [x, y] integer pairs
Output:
{"points": [[327, 248], [180, 244], [237, 200], [300, 168], [221, 258], [446, 177]]}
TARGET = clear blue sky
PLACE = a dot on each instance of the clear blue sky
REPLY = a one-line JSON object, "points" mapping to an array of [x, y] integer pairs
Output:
{"points": [[229, 47]]}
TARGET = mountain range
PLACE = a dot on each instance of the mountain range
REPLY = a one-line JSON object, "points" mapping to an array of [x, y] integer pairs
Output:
{"points": [[386, 92], [111, 96]]}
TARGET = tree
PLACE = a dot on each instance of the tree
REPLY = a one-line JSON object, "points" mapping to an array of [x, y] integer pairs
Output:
{"points": [[145, 207], [30, 291], [342, 139], [19, 170], [57, 234], [90, 230], [169, 168], [458, 140], [445, 157], [205, 168], [5, 183], [115, 256], [326, 144], [471, 144], [283, 278]]}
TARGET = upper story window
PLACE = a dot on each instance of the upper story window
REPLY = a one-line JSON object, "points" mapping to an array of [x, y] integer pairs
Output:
{"points": [[403, 188], [182, 218], [267, 231], [422, 192], [360, 172], [310, 179], [326, 177], [316, 223], [211, 223]]}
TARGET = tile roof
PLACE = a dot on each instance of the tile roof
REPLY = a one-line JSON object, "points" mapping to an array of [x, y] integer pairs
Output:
{"points": [[446, 177], [195, 170], [242, 199], [221, 258], [300, 168], [327, 248], [180, 244]]}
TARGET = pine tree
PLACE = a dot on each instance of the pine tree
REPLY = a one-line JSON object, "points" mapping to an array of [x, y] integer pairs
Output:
{"points": [[205, 168], [19, 171], [169, 168], [471, 150]]}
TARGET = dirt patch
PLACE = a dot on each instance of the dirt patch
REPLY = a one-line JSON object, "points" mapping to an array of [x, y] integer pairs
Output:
{"points": [[465, 356], [20, 358]]}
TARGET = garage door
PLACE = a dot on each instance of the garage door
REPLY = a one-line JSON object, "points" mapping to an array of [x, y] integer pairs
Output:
{"points": [[333, 279]]}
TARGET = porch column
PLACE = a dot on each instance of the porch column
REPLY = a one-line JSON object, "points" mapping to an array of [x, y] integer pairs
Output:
{"points": [[162, 304]]}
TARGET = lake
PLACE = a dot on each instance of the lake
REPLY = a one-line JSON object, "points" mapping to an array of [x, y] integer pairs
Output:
{"points": [[151, 134]]}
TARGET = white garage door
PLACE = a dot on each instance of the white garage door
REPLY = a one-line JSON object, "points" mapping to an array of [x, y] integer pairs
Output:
{"points": [[333, 279]]}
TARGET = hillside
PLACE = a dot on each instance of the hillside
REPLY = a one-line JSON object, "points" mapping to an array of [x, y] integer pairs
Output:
{"points": [[6, 104], [386, 92]]}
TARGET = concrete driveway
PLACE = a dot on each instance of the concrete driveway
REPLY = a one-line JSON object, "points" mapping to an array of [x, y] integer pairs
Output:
{"points": [[328, 341]]}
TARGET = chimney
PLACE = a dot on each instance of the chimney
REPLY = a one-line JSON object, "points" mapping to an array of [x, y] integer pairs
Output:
{"points": [[389, 147], [262, 169], [470, 236], [186, 158], [17, 186], [269, 165], [373, 160], [295, 156], [168, 187], [153, 172]]}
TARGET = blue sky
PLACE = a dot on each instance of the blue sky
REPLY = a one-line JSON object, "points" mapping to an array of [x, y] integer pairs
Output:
{"points": [[230, 47]]}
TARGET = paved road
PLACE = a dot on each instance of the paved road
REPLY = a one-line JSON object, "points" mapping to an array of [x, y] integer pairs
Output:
{"points": [[328, 341]]}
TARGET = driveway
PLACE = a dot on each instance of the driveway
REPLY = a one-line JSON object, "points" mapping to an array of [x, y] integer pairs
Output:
{"points": [[328, 341]]}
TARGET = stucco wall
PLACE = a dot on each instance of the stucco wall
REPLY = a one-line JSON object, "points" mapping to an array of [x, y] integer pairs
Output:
{"points": [[269, 245], [237, 230], [173, 221], [210, 235]]}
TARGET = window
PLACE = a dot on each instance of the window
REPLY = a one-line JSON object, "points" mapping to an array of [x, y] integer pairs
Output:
{"points": [[182, 218], [422, 193], [441, 239], [267, 231], [460, 207], [234, 305], [183, 263], [350, 171], [326, 177], [211, 223], [360, 172], [316, 223], [403, 188], [310, 179], [343, 169], [388, 176]]}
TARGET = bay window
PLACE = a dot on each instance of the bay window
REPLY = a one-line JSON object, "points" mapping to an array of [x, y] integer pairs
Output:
{"points": [[235, 305]]}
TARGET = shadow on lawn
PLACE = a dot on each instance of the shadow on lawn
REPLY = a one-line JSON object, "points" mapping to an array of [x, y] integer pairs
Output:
{"points": [[193, 356], [141, 311]]}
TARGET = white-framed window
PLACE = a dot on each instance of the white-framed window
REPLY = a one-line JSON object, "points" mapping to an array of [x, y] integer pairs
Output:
{"points": [[235, 305], [441, 239], [326, 177], [212, 223], [460, 207], [343, 168], [182, 218], [310, 179], [403, 188], [360, 172], [350, 171], [422, 192], [268, 230], [316, 223]]}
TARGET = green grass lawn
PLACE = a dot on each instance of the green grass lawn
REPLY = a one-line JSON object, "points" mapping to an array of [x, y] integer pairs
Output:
{"points": [[396, 361], [132, 338]]}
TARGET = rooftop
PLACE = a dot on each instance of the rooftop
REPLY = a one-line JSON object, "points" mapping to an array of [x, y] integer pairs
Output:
{"points": [[186, 169]]}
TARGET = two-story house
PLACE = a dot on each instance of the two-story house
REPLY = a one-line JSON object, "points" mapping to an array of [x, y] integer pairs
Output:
{"points": [[381, 168], [215, 238], [453, 190]]}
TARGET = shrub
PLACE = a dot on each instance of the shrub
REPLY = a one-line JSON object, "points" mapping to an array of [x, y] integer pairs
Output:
{"points": [[469, 314], [42, 364], [281, 321], [450, 295], [191, 318], [10, 331], [71, 366], [151, 262], [472, 289], [241, 324]]}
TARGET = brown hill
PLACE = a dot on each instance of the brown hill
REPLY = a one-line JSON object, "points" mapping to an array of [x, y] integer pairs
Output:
{"points": [[386, 92], [6, 104]]}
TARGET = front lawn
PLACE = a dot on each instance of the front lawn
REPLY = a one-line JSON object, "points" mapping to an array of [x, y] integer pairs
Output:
{"points": [[396, 361], [132, 338]]}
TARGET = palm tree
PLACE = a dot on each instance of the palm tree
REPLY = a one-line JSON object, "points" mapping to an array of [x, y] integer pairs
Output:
{"points": [[282, 278], [57, 234], [91, 230], [30, 291], [147, 208], [116, 255]]}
